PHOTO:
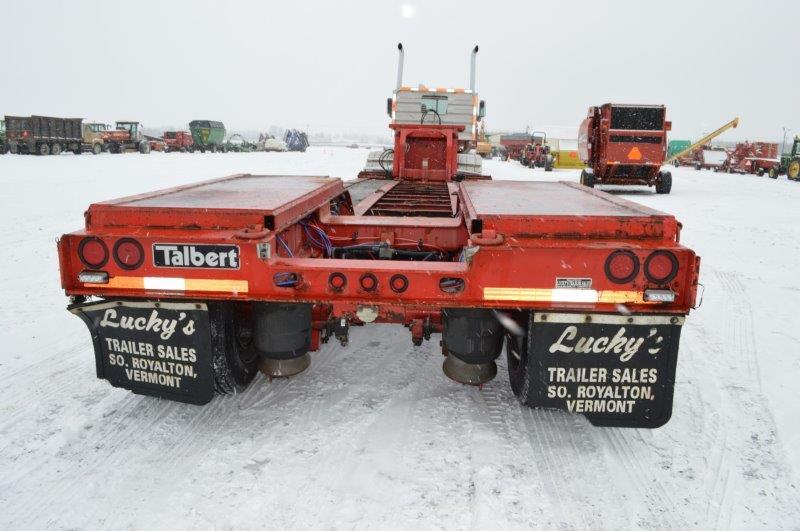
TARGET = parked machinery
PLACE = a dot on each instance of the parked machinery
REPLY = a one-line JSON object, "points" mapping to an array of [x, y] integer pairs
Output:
{"points": [[93, 139], [178, 141], [484, 145], [790, 162], [188, 292], [44, 135], [626, 145], [537, 153], [208, 135], [699, 154], [267, 142], [126, 136], [753, 157], [295, 140], [3, 146], [515, 144]]}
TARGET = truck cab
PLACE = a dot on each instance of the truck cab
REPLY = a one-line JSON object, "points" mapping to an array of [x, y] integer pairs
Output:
{"points": [[93, 137], [439, 105]]}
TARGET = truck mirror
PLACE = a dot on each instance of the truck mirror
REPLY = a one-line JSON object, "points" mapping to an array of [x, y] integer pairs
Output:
{"points": [[482, 109], [389, 107]]}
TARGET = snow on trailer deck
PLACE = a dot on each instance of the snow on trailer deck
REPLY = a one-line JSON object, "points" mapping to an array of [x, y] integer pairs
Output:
{"points": [[374, 434]]}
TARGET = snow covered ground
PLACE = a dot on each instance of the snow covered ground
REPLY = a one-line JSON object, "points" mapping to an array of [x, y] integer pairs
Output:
{"points": [[374, 434]]}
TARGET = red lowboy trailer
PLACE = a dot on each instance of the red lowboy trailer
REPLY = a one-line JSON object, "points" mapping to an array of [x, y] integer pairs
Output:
{"points": [[625, 144], [189, 291]]}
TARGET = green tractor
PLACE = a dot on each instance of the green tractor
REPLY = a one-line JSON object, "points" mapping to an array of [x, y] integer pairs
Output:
{"points": [[790, 162], [3, 147]]}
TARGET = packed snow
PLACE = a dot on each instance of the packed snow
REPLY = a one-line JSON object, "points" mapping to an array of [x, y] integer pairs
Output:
{"points": [[374, 435]]}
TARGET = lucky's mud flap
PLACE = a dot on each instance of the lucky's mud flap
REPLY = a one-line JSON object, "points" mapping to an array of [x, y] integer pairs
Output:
{"points": [[616, 370], [161, 349]]}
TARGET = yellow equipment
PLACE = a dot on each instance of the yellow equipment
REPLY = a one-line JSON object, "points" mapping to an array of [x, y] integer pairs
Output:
{"points": [[705, 140]]}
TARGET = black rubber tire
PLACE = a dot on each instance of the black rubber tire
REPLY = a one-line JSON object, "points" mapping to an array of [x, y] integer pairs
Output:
{"points": [[44, 149], [760, 172], [772, 173], [144, 148], [698, 166], [587, 178], [214, 148], [235, 361], [55, 149], [77, 151], [664, 182], [517, 362], [3, 149], [548, 163]]}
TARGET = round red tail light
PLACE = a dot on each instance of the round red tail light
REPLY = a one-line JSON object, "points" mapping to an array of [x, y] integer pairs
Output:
{"points": [[128, 253], [661, 267], [622, 266], [93, 252], [368, 281]]}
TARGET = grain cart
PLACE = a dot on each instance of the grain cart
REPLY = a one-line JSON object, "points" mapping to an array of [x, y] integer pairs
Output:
{"points": [[208, 135], [790, 162], [625, 144], [178, 141], [537, 153], [43, 135], [126, 136], [189, 291], [3, 146], [753, 157]]}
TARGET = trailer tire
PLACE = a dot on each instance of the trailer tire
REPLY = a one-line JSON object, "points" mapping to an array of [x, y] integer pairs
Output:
{"points": [[44, 149], [3, 149], [664, 182], [214, 148], [587, 178], [55, 149], [235, 361], [772, 173], [760, 172]]}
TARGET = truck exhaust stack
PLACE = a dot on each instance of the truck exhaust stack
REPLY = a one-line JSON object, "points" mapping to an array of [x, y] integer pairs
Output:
{"points": [[400, 66], [473, 59]]}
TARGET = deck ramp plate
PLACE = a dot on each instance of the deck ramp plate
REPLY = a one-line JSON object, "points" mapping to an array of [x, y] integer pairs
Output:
{"points": [[564, 210], [228, 203]]}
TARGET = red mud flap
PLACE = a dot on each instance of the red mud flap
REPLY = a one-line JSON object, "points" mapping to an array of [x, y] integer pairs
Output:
{"points": [[160, 349], [616, 370]]}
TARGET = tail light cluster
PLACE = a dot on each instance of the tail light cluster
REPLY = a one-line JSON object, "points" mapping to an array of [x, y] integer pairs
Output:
{"points": [[128, 253], [660, 267]]}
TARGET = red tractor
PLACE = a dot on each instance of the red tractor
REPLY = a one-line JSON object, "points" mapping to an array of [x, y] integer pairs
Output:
{"points": [[625, 144], [188, 292], [127, 136], [178, 141], [537, 153]]}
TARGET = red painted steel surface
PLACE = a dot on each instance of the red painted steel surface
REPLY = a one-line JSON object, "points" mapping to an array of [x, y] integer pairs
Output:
{"points": [[509, 243], [425, 152]]}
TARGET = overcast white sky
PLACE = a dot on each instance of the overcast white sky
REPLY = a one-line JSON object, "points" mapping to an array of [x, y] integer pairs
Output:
{"points": [[331, 65]]}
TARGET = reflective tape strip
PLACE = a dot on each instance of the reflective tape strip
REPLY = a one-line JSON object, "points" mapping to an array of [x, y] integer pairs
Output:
{"points": [[164, 283], [177, 284], [589, 296]]}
